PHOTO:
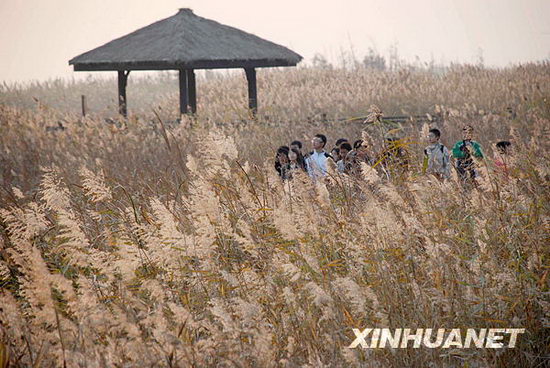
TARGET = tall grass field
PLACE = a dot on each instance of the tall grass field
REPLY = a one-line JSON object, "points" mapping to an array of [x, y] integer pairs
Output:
{"points": [[168, 241]]}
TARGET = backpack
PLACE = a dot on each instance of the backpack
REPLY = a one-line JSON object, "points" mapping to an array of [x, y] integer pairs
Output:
{"points": [[446, 158]]}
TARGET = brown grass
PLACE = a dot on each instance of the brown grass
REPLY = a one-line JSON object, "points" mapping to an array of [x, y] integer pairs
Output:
{"points": [[164, 246]]}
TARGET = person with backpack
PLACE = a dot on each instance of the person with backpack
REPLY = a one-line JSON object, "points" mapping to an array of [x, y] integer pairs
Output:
{"points": [[437, 159]]}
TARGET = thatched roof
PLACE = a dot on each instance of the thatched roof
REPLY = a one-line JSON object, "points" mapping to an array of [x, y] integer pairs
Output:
{"points": [[185, 41]]}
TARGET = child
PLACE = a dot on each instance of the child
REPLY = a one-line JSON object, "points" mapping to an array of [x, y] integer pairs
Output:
{"points": [[437, 157]]}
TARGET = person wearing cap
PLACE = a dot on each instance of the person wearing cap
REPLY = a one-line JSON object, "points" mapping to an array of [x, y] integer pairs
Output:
{"points": [[317, 159], [464, 151]]}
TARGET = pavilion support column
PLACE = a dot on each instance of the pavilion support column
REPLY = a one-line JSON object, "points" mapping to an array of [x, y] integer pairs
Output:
{"points": [[122, 102], [192, 90], [184, 98], [252, 90]]}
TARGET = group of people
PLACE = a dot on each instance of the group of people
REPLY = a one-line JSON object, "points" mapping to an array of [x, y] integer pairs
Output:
{"points": [[393, 161]]}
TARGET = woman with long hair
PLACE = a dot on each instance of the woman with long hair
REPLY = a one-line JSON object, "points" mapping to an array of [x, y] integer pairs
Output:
{"points": [[296, 160]]}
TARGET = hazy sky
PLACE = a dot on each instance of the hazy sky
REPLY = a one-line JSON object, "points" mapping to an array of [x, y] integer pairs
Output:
{"points": [[38, 37]]}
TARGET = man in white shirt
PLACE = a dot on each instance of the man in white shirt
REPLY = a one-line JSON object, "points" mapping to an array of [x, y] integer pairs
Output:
{"points": [[317, 159]]}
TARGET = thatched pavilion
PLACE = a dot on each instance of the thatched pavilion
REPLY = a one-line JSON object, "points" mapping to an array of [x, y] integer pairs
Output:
{"points": [[186, 42]]}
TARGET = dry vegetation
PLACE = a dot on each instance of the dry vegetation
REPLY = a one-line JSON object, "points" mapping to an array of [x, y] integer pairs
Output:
{"points": [[150, 244]]}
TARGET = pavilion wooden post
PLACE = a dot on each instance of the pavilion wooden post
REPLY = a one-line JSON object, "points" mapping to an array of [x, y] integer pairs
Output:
{"points": [[183, 91], [252, 91], [83, 105], [122, 102], [192, 90]]}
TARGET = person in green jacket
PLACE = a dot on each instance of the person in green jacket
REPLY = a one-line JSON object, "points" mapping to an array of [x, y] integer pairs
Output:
{"points": [[464, 151]]}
